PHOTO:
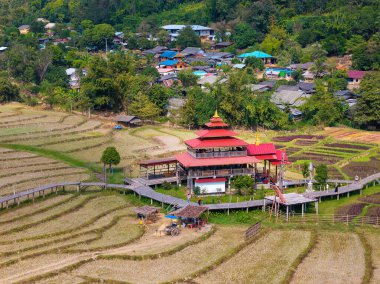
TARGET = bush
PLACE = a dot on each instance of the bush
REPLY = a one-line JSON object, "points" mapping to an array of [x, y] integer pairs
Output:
{"points": [[197, 190], [166, 185]]}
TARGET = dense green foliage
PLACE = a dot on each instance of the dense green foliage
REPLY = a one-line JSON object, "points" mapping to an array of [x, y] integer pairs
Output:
{"points": [[321, 175], [110, 156], [368, 106], [293, 31]]}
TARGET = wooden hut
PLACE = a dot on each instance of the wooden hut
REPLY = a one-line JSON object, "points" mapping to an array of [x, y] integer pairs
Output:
{"points": [[128, 120], [147, 213], [191, 215]]}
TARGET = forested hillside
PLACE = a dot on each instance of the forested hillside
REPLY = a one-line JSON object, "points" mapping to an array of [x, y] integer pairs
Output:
{"points": [[293, 31]]}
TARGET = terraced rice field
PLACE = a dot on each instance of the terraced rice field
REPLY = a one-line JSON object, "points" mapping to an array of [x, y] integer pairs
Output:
{"points": [[336, 258], [374, 240], [178, 265], [23, 170], [352, 135], [260, 262]]}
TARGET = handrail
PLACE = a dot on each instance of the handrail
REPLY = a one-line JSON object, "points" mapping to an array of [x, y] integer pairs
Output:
{"points": [[147, 191]]}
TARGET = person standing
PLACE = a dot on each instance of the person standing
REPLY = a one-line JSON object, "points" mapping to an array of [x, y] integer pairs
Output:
{"points": [[188, 198]]}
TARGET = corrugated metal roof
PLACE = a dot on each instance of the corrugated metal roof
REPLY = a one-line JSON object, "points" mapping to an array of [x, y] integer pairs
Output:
{"points": [[212, 143], [189, 161]]}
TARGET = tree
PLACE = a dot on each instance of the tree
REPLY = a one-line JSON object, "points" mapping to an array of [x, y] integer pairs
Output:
{"points": [[305, 170], [254, 62], [354, 42], [321, 175], [318, 56], [188, 78], [368, 104], [110, 157], [43, 61], [243, 183], [143, 107], [187, 37], [244, 35], [298, 75], [273, 40], [8, 91], [322, 107]]}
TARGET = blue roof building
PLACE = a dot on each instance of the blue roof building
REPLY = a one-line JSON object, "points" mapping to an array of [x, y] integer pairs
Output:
{"points": [[257, 54], [168, 63], [168, 54]]}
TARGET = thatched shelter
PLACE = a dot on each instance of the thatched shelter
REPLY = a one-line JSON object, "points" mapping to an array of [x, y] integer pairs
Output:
{"points": [[146, 212]]}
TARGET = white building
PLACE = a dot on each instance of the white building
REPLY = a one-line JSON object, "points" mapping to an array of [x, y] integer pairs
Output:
{"points": [[211, 185], [203, 32]]}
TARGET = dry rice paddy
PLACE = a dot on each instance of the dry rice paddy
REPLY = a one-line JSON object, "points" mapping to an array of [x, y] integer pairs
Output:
{"points": [[265, 261], [336, 258], [185, 262], [374, 241]]}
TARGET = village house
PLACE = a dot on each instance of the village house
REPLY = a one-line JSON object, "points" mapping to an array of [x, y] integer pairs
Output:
{"points": [[291, 97], [265, 57], [24, 29], [205, 33], [354, 77], [347, 96], [175, 64], [221, 45], [155, 51], [50, 26]]}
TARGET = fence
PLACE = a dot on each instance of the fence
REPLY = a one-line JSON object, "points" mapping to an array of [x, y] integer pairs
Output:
{"points": [[331, 219], [252, 231]]}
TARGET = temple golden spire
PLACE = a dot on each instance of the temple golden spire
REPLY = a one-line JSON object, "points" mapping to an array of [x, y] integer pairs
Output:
{"points": [[257, 139], [216, 115]]}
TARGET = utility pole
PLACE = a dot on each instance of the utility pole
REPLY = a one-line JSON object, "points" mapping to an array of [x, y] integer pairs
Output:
{"points": [[282, 172]]}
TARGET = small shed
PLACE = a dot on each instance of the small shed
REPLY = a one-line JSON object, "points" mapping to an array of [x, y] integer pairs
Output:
{"points": [[148, 213], [190, 215], [128, 120]]}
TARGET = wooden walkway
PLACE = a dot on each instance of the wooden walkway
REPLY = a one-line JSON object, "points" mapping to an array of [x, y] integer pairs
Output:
{"points": [[147, 192]]}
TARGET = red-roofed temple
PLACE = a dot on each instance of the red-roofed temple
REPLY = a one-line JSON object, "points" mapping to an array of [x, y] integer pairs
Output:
{"points": [[216, 156]]}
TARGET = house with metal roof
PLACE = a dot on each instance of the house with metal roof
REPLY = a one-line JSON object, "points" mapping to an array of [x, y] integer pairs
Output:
{"points": [[168, 54], [354, 77], [24, 29], [201, 31], [267, 58]]}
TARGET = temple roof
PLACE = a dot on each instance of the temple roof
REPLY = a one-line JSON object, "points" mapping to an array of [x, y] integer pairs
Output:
{"points": [[189, 161], [216, 122], [211, 133], [198, 143], [261, 149]]}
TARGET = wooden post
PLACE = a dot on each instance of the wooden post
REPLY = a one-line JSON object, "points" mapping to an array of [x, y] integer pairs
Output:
{"points": [[287, 213], [151, 201], [43, 194], [302, 210], [347, 219], [264, 205], [337, 197], [348, 194]]}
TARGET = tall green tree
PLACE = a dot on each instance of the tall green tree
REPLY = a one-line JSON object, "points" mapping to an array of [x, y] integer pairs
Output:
{"points": [[321, 174], [110, 157], [8, 91], [187, 37], [368, 105]]}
